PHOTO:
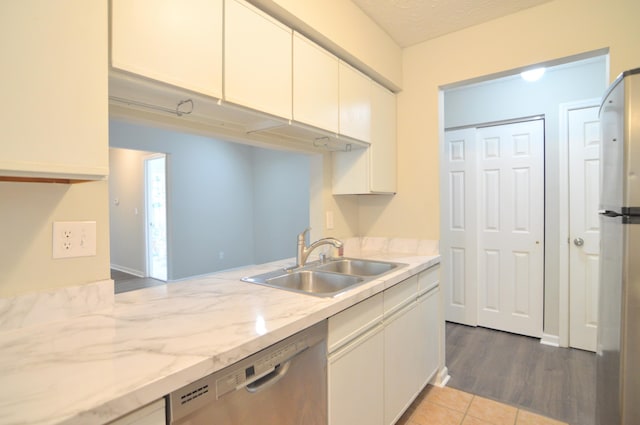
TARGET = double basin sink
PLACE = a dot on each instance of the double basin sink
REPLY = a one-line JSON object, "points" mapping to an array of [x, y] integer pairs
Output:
{"points": [[325, 279]]}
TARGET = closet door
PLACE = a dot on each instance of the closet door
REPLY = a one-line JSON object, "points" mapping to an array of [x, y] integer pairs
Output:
{"points": [[492, 230], [510, 212]]}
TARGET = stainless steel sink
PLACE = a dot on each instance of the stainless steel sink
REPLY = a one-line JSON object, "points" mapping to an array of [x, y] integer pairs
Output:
{"points": [[315, 282], [353, 266], [311, 282], [326, 279]]}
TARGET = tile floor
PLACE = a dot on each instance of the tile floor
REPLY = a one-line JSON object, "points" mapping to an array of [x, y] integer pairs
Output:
{"points": [[448, 406]]}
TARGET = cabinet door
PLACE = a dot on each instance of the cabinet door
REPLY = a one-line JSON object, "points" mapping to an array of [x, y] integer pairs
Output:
{"points": [[355, 381], [428, 342], [151, 414], [315, 85], [175, 41], [372, 170], [257, 60], [54, 112], [401, 361], [382, 152], [355, 103], [350, 172]]}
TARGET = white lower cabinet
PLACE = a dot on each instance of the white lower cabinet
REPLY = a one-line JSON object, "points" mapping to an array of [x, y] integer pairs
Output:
{"points": [[430, 308], [401, 359], [151, 414], [355, 382], [428, 347], [356, 354], [383, 351]]}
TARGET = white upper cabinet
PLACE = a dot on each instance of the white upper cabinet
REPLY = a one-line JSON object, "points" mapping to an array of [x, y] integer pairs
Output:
{"points": [[178, 42], [372, 170], [315, 85], [355, 104], [383, 151], [54, 116], [257, 60]]}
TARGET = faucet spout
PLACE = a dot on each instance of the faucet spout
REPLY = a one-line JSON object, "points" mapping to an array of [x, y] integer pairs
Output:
{"points": [[304, 250]]}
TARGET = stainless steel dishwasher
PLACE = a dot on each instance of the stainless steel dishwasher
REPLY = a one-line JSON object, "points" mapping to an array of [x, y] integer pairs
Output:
{"points": [[284, 384]]}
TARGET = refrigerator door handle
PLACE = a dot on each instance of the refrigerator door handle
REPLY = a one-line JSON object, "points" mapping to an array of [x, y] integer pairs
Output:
{"points": [[609, 213]]}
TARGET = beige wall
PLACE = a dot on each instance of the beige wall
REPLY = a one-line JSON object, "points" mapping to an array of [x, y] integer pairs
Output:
{"points": [[546, 33], [344, 208], [26, 216]]}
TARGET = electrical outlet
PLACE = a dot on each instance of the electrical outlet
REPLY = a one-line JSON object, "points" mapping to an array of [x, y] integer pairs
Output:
{"points": [[74, 239]]}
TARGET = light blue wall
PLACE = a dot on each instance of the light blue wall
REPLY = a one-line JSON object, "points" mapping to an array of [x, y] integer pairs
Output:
{"points": [[512, 97], [279, 212], [212, 198]]}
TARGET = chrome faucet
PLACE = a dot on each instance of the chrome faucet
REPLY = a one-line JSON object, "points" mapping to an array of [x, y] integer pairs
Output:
{"points": [[304, 250]]}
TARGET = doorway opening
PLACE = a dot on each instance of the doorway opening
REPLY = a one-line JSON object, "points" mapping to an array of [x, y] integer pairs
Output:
{"points": [[469, 104], [213, 205]]}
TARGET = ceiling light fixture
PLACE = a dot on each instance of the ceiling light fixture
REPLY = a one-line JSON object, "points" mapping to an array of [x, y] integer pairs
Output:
{"points": [[532, 74]]}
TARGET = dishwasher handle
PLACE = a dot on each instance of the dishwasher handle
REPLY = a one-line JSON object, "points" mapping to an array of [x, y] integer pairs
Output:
{"points": [[269, 379]]}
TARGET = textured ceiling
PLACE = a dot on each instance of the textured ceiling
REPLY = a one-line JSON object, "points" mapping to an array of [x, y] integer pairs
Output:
{"points": [[412, 21]]}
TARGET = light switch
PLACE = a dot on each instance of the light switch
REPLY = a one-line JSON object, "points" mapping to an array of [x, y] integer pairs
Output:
{"points": [[329, 219]]}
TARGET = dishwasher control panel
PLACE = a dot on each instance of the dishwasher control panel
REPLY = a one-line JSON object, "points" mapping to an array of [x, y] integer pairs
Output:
{"points": [[261, 365]]}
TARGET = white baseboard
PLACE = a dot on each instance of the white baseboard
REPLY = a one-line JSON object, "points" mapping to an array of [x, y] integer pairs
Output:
{"points": [[128, 270], [552, 340], [442, 377]]}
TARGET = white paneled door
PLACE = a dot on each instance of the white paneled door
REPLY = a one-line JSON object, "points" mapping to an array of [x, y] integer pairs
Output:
{"points": [[493, 226], [584, 226], [459, 238], [510, 212]]}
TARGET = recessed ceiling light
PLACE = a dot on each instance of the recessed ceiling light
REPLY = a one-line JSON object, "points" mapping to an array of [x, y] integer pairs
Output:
{"points": [[533, 74]]}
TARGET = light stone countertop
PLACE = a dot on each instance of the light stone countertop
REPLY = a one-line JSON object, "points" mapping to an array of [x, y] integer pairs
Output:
{"points": [[94, 368]]}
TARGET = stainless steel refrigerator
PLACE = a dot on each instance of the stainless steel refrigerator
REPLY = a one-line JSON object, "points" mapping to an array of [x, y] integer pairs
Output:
{"points": [[618, 349]]}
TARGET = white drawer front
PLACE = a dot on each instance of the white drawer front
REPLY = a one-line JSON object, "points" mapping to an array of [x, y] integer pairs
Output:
{"points": [[348, 324], [429, 278], [400, 294]]}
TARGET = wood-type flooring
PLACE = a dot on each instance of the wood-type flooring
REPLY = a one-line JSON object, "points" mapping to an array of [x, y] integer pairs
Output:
{"points": [[517, 370], [125, 282]]}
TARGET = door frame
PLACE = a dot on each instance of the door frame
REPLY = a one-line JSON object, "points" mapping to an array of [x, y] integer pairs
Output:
{"points": [[563, 248], [147, 250]]}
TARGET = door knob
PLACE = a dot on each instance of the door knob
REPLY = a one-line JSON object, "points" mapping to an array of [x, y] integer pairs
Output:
{"points": [[578, 242]]}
